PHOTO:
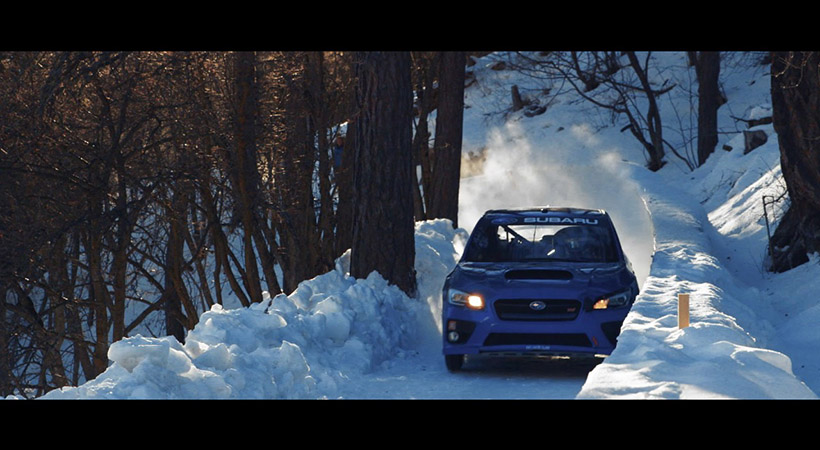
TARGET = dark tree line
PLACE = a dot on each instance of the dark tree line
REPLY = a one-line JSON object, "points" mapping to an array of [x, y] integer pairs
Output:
{"points": [[138, 189]]}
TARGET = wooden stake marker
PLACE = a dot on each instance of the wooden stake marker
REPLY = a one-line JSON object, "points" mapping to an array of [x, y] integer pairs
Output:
{"points": [[683, 310]]}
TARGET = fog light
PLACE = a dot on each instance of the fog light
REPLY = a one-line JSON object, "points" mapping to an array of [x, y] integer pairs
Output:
{"points": [[452, 336]]}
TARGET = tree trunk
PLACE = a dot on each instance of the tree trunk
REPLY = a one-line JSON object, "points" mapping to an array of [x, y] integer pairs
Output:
{"points": [[298, 233], [222, 260], [427, 154], [449, 126], [316, 86], [707, 70], [344, 186], [57, 333], [245, 173], [174, 286], [5, 350], [517, 101], [796, 119], [383, 226], [119, 264], [100, 299], [426, 67]]}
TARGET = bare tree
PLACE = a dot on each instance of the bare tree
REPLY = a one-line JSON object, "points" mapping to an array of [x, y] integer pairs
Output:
{"points": [[303, 96], [88, 133], [624, 88]]}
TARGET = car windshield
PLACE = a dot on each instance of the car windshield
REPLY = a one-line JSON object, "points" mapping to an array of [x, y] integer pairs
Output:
{"points": [[541, 242]]}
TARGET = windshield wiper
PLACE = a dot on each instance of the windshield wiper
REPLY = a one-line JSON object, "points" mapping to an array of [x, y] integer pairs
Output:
{"points": [[549, 259]]}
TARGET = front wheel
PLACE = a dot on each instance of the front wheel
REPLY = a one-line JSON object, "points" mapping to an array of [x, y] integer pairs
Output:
{"points": [[454, 362]]}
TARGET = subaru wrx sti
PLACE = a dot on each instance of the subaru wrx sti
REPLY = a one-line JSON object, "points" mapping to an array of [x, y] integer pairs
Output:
{"points": [[538, 282]]}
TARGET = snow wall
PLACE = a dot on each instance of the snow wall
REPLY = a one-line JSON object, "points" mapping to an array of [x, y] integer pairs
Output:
{"points": [[715, 357], [302, 346]]}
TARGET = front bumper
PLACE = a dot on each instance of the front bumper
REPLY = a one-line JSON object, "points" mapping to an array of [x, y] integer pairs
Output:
{"points": [[589, 333]]}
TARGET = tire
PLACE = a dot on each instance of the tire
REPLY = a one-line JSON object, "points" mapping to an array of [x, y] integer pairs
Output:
{"points": [[454, 362]]}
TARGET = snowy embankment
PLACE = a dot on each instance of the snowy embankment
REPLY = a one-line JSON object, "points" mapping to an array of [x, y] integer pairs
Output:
{"points": [[723, 353], [330, 330]]}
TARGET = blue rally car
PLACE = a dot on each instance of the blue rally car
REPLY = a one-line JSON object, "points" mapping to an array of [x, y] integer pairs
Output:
{"points": [[540, 282]]}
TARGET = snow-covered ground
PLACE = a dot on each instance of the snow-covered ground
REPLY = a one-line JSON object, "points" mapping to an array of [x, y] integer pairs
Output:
{"points": [[698, 232]]}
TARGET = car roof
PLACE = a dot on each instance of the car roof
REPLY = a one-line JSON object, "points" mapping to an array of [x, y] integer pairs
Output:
{"points": [[547, 210]]}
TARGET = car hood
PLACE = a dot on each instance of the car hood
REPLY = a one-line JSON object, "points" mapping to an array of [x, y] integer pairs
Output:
{"points": [[564, 280]]}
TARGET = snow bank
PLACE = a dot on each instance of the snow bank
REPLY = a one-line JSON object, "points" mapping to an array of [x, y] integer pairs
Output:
{"points": [[715, 357], [329, 330]]}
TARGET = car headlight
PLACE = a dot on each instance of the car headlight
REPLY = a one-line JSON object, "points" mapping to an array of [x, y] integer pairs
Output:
{"points": [[461, 298], [614, 300]]}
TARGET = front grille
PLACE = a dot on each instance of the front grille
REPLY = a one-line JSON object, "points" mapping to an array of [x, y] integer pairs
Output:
{"points": [[538, 274], [526, 309], [572, 339]]}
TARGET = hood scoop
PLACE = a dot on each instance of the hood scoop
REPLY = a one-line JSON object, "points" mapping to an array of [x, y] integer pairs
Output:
{"points": [[538, 274]]}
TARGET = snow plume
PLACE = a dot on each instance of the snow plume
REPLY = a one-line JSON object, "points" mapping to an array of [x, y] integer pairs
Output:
{"points": [[517, 175], [332, 329], [438, 249]]}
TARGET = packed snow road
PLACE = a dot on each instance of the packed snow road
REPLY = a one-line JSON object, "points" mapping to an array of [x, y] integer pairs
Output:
{"points": [[482, 377]]}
